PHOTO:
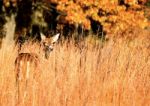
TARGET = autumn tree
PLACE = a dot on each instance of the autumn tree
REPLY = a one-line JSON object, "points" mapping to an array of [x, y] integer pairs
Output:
{"points": [[114, 17]]}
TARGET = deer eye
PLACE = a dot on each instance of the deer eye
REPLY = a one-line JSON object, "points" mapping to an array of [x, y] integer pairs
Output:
{"points": [[53, 43], [45, 44]]}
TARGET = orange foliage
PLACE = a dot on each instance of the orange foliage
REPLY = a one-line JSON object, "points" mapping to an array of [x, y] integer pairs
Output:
{"points": [[7, 3], [112, 16], [109, 13]]}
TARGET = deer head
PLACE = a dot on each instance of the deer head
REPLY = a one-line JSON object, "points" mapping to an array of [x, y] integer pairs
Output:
{"points": [[48, 43]]}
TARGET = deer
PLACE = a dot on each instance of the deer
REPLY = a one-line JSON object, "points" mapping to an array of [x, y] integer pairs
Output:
{"points": [[27, 65]]}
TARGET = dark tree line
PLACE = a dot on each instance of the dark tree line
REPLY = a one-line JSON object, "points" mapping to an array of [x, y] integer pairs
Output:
{"points": [[72, 16]]}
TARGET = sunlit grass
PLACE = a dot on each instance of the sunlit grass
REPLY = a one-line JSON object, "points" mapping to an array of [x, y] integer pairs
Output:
{"points": [[113, 74]]}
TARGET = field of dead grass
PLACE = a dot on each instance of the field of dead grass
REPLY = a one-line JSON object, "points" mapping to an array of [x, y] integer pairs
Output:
{"points": [[115, 73]]}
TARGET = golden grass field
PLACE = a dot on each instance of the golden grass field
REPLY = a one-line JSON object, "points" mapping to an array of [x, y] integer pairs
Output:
{"points": [[115, 73]]}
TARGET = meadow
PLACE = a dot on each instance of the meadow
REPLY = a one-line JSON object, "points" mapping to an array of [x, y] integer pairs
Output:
{"points": [[111, 73]]}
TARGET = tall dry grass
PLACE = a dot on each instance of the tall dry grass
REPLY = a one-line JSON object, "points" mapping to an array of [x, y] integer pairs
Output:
{"points": [[115, 73]]}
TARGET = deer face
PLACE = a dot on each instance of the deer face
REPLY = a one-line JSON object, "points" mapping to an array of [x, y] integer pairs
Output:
{"points": [[48, 43]]}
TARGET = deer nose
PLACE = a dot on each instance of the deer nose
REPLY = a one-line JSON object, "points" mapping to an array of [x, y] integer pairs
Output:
{"points": [[50, 48]]}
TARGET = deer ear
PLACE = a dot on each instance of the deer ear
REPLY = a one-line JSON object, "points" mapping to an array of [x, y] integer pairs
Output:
{"points": [[43, 37], [55, 38]]}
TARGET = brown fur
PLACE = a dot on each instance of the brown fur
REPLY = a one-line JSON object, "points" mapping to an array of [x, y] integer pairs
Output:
{"points": [[26, 68]]}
